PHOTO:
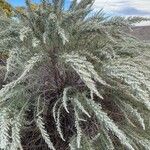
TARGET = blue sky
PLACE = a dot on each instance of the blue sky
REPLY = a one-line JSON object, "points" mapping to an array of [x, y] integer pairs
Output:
{"points": [[22, 2], [122, 7], [113, 7]]}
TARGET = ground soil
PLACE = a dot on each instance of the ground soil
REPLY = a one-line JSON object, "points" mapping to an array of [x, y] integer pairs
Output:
{"points": [[141, 32]]}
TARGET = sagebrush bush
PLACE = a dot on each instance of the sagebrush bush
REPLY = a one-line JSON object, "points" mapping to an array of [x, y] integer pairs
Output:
{"points": [[74, 80]]}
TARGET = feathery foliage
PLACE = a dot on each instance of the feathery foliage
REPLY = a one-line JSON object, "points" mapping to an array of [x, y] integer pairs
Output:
{"points": [[76, 77]]}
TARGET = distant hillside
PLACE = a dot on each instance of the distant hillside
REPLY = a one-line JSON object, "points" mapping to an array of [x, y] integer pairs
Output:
{"points": [[141, 32]]}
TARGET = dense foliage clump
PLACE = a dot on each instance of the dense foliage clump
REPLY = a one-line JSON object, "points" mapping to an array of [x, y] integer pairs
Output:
{"points": [[5, 8], [74, 79]]}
